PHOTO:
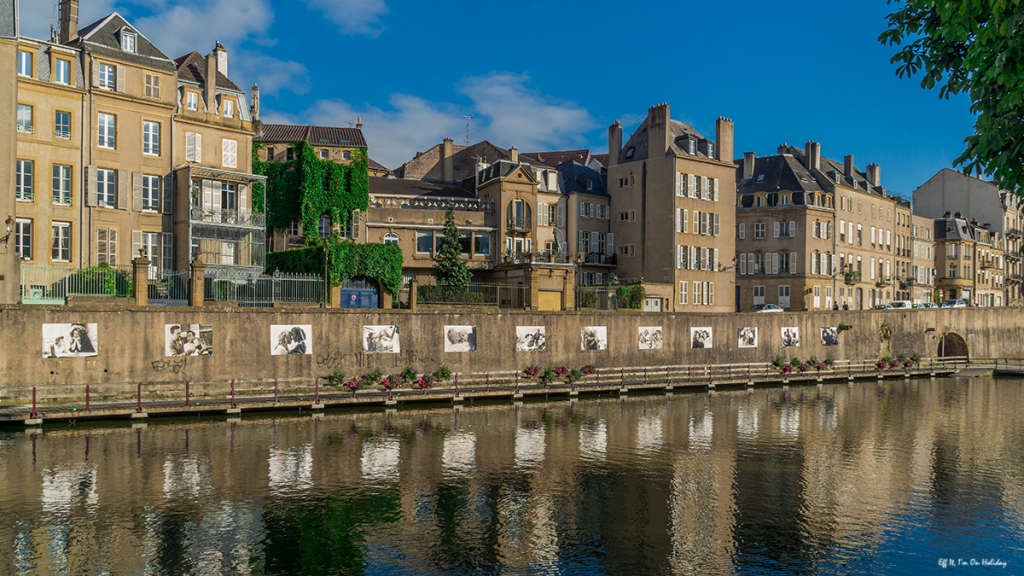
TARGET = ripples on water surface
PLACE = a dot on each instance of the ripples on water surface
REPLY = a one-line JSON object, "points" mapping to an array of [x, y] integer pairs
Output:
{"points": [[859, 479]]}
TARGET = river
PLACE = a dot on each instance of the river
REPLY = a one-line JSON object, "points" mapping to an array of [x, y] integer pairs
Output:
{"points": [[888, 478]]}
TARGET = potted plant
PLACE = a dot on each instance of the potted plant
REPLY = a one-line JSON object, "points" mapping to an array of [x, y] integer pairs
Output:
{"points": [[443, 374], [409, 374], [353, 385], [335, 379], [423, 383], [547, 376], [532, 372], [588, 370]]}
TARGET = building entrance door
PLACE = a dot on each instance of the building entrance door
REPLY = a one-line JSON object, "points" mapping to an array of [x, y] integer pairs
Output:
{"points": [[860, 299]]}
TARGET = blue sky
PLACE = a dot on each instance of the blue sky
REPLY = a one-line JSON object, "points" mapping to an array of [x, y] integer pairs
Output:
{"points": [[550, 75]]}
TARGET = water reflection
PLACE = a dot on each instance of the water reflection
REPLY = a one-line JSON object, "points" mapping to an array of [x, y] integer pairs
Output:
{"points": [[861, 479]]}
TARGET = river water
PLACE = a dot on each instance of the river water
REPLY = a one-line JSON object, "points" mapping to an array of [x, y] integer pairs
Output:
{"points": [[890, 478]]}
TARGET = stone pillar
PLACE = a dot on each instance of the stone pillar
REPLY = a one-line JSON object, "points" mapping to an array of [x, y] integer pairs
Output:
{"points": [[335, 297], [569, 291], [140, 279], [385, 299], [197, 282], [534, 289], [413, 294]]}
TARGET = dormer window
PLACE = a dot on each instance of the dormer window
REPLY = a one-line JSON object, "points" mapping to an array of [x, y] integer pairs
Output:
{"points": [[693, 147], [128, 40], [229, 108], [630, 152]]}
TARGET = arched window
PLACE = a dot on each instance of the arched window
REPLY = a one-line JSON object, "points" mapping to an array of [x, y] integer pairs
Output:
{"points": [[391, 238], [518, 214]]}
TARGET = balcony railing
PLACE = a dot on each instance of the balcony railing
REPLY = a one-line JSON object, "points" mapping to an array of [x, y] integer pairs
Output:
{"points": [[606, 259], [62, 134], [547, 257], [883, 281], [407, 203], [232, 217], [852, 277], [1014, 233], [520, 224]]}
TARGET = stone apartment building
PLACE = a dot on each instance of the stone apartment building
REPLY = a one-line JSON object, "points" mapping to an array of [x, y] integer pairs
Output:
{"points": [[10, 269], [108, 154], [813, 233], [949, 192], [965, 261], [923, 270], [670, 177]]}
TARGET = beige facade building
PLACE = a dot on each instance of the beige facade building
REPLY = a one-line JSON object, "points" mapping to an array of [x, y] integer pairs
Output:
{"points": [[923, 269], [970, 262], [668, 177], [949, 192], [10, 269]]}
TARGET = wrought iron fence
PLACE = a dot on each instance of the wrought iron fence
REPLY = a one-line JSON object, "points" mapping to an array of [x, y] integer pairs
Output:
{"points": [[53, 285], [233, 217], [600, 299], [476, 294], [265, 291], [169, 289]]}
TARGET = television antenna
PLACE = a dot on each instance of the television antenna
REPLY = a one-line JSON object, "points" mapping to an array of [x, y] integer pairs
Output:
{"points": [[468, 120]]}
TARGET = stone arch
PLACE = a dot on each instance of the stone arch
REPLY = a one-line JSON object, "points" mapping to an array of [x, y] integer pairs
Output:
{"points": [[952, 344]]}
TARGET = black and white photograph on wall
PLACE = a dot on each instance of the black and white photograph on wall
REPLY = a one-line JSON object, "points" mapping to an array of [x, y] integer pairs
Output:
{"points": [[650, 338], [830, 336], [291, 339], [381, 340], [188, 340], [791, 337], [594, 338], [700, 337], [748, 337], [460, 338], [531, 339], [69, 341]]}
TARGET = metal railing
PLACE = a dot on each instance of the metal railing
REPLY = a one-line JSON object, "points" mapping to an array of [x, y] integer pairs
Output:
{"points": [[475, 294], [265, 291], [597, 298], [169, 289], [521, 224], [232, 217], [53, 285], [607, 259]]}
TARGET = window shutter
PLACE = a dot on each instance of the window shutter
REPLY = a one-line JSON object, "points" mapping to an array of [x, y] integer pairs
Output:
{"points": [[610, 244], [243, 199], [120, 79], [691, 185], [696, 293], [579, 240], [137, 191], [714, 184], [679, 256], [679, 224], [190, 147], [743, 264], [101, 246], [742, 231], [167, 243], [541, 212], [528, 245], [122, 189], [792, 229], [136, 244], [583, 209], [832, 263], [560, 216], [91, 193], [696, 221], [775, 262], [591, 210], [718, 224], [683, 296], [593, 242], [693, 258], [207, 203], [792, 262], [167, 194], [751, 263], [215, 196], [686, 220], [775, 227], [711, 293], [714, 261], [112, 246], [198, 139], [95, 74]]}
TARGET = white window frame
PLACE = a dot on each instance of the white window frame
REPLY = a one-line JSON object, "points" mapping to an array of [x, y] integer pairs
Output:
{"points": [[61, 184], [26, 60], [229, 107], [192, 100], [129, 41], [106, 188], [107, 76], [24, 180], [62, 71], [150, 193], [60, 241], [150, 138], [23, 238], [26, 123], [106, 131]]}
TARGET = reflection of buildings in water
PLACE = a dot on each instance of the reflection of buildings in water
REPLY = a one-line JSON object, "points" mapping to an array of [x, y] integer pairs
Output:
{"points": [[700, 503], [746, 422], [649, 434], [65, 487], [458, 454], [701, 430], [828, 416], [514, 519], [225, 538], [291, 469], [186, 476], [530, 446], [380, 459], [594, 441], [789, 421]]}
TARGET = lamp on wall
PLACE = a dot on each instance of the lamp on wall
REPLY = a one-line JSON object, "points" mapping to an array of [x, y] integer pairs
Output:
{"points": [[10, 223]]}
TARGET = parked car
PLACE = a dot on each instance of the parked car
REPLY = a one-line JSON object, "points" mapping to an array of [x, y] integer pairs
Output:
{"points": [[954, 303], [765, 308], [926, 305], [882, 307], [901, 304]]}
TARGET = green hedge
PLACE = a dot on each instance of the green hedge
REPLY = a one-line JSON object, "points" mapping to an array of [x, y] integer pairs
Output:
{"points": [[449, 295], [382, 262], [631, 297]]}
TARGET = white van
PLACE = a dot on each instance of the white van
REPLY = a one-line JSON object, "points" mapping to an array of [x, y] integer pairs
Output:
{"points": [[901, 304]]}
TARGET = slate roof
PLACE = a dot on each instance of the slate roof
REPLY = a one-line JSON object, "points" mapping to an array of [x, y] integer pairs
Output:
{"points": [[192, 68], [374, 165], [555, 158], [602, 159], [8, 21], [678, 131], [315, 135], [574, 178], [953, 229], [789, 171], [416, 188], [101, 39]]}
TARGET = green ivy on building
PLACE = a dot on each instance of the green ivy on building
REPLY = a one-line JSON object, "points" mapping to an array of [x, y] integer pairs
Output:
{"points": [[382, 262]]}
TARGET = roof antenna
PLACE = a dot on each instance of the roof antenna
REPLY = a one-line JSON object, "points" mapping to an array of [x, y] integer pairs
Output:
{"points": [[468, 119]]}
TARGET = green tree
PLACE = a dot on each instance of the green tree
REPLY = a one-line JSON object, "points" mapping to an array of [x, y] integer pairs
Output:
{"points": [[451, 269], [973, 47]]}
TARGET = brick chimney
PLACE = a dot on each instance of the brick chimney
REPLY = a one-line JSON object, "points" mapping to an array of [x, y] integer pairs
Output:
{"points": [[68, 20], [254, 109], [812, 155], [724, 139], [211, 83], [782, 149], [749, 158], [514, 154], [657, 130], [447, 165], [848, 166], [222, 58], [614, 143], [875, 174], [359, 123]]}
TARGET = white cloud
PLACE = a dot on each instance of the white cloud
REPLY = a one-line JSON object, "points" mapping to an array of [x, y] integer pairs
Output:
{"points": [[36, 16], [354, 16], [506, 112], [188, 25], [272, 75]]}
